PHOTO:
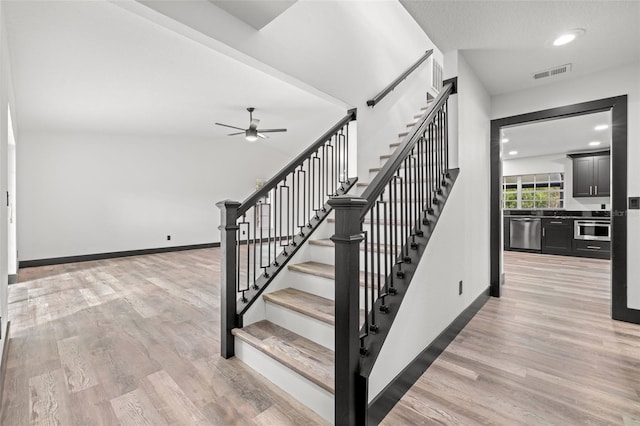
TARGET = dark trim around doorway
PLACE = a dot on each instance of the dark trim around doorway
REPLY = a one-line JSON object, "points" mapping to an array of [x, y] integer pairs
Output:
{"points": [[618, 107]]}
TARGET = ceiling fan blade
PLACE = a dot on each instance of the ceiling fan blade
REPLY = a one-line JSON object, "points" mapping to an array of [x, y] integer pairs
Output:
{"points": [[263, 136], [254, 124], [233, 127], [272, 130], [233, 134]]}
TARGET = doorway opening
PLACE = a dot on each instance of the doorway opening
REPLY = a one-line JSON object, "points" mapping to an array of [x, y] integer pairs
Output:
{"points": [[617, 107]]}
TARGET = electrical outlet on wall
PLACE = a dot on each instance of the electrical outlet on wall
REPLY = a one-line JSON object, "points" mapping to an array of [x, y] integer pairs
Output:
{"points": [[168, 237]]}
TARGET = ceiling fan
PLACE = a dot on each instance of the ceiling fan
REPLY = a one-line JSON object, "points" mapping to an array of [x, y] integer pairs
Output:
{"points": [[252, 133]]}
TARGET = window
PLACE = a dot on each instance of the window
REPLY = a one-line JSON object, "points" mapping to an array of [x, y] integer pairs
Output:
{"points": [[538, 191]]}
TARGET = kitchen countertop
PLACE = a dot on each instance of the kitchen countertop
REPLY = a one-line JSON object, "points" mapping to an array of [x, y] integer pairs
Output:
{"points": [[569, 214]]}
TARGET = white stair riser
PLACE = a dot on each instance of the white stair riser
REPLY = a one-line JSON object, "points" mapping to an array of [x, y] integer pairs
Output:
{"points": [[319, 286], [308, 393], [326, 254], [313, 284], [311, 328]]}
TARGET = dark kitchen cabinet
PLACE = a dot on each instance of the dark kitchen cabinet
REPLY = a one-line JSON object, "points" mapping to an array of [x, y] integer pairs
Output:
{"points": [[602, 175], [591, 175], [557, 236], [597, 249]]}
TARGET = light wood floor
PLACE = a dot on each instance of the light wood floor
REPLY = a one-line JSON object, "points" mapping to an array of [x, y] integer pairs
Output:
{"points": [[135, 341], [131, 341], [546, 353]]}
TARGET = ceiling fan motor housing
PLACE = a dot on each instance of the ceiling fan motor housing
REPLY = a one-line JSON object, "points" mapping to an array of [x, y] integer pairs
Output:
{"points": [[251, 135]]}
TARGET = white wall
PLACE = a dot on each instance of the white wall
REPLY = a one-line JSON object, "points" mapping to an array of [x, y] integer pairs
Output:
{"points": [[347, 50], [6, 99], [96, 193], [556, 163], [459, 248], [613, 82]]}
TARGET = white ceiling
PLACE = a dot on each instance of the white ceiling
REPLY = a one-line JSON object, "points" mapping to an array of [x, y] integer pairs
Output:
{"points": [[558, 136], [505, 42], [95, 67], [256, 13]]}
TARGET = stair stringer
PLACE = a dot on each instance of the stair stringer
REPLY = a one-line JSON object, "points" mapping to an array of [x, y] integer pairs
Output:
{"points": [[376, 342], [432, 303]]}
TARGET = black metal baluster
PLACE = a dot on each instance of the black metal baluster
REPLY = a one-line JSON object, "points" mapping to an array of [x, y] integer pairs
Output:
{"points": [[301, 206], [433, 164], [374, 325], [336, 149], [343, 156], [346, 166], [324, 177], [440, 152], [421, 167], [394, 236], [446, 135], [255, 242], [310, 181], [407, 209], [330, 174], [275, 227], [366, 291], [385, 256], [284, 230]]}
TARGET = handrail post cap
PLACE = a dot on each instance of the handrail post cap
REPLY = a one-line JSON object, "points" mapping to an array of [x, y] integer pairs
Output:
{"points": [[345, 201], [228, 204]]}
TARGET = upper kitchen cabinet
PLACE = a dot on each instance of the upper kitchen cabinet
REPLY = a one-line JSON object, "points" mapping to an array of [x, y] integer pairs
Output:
{"points": [[591, 175]]}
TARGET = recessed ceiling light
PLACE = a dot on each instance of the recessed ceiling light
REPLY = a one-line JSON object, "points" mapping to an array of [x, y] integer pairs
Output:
{"points": [[594, 143], [513, 152], [568, 37], [601, 127], [505, 140]]}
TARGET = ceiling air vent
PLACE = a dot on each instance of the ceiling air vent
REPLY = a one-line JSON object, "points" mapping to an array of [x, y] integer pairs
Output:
{"points": [[552, 71]]}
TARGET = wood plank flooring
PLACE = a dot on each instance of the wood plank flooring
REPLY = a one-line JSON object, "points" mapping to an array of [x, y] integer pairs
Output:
{"points": [[546, 353], [135, 341], [131, 341]]}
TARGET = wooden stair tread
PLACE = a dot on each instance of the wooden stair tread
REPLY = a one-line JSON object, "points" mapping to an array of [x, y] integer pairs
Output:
{"points": [[307, 358], [403, 134], [362, 184], [377, 169], [317, 307], [319, 269]]}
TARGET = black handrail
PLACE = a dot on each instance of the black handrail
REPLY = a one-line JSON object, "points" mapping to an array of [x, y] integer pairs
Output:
{"points": [[376, 99], [381, 180], [296, 162]]}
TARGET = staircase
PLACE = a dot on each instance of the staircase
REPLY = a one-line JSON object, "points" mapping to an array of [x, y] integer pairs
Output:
{"points": [[292, 341]]}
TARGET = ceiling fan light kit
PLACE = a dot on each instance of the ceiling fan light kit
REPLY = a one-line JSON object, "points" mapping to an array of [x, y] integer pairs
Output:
{"points": [[252, 133]]}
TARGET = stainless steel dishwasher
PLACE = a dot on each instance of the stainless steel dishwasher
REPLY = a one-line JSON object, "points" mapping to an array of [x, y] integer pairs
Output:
{"points": [[524, 233]]}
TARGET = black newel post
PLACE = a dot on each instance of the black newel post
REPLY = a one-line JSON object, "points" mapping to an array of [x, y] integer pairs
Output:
{"points": [[350, 389], [228, 273]]}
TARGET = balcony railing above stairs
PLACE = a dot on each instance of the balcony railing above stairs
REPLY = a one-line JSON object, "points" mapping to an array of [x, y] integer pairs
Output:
{"points": [[260, 235], [393, 221]]}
